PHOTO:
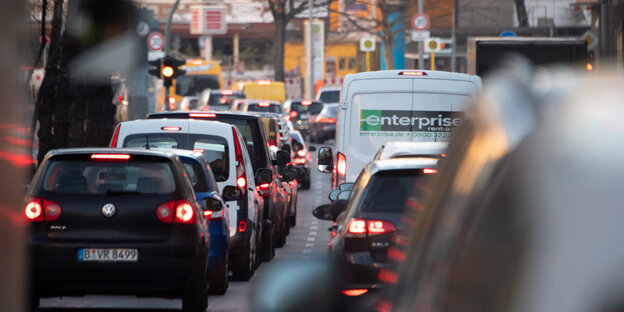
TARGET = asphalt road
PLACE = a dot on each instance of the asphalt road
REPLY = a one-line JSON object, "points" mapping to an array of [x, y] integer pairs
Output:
{"points": [[308, 239]]}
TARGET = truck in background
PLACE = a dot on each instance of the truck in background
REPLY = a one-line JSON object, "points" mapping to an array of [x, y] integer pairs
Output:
{"points": [[485, 53]]}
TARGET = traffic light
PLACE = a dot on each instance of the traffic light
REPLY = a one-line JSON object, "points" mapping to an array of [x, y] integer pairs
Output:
{"points": [[156, 70], [169, 70]]}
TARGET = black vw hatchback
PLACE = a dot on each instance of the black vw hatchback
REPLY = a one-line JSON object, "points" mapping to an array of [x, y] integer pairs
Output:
{"points": [[117, 221]]}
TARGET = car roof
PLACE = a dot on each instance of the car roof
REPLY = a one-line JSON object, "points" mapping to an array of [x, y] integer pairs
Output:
{"points": [[395, 149], [185, 114], [103, 150], [205, 124], [329, 89], [377, 166]]}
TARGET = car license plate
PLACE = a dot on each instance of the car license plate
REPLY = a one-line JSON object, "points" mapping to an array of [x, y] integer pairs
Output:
{"points": [[108, 254]]}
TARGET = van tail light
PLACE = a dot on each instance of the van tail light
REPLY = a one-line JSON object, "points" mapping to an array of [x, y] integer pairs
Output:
{"points": [[38, 210], [202, 115], [412, 73], [177, 211], [327, 120], [341, 164], [242, 226], [293, 114], [361, 227], [113, 142], [241, 176]]}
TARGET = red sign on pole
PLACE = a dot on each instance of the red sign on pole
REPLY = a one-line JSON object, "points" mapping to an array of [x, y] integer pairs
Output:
{"points": [[420, 22], [208, 20]]}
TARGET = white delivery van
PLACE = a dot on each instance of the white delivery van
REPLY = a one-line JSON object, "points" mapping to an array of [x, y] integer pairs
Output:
{"points": [[394, 105]]}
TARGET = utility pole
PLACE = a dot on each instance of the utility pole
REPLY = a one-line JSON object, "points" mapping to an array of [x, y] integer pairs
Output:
{"points": [[421, 59], [454, 40], [310, 69], [604, 30], [168, 46]]}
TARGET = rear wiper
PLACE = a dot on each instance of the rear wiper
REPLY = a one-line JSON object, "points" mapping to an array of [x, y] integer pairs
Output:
{"points": [[120, 192]]}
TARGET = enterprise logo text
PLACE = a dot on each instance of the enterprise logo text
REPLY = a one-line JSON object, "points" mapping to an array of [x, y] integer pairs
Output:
{"points": [[433, 121]]}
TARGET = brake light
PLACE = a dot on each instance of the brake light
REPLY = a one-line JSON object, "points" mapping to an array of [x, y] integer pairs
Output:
{"points": [[184, 212], [429, 171], [412, 73], [293, 114], [207, 213], [306, 103], [120, 98], [342, 164], [241, 180], [299, 161], [264, 82], [113, 142], [272, 142], [171, 128], [264, 104], [110, 156], [357, 226], [388, 276], [354, 292], [327, 120], [202, 115], [223, 100], [380, 227], [443, 155], [242, 226], [33, 210], [264, 186], [301, 153], [51, 210], [227, 92]]}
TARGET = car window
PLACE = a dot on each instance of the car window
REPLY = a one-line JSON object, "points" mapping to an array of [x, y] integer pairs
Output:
{"points": [[311, 109], [390, 191], [330, 96], [215, 149], [252, 134], [196, 175], [329, 112], [264, 109], [99, 177], [195, 84], [154, 140]]}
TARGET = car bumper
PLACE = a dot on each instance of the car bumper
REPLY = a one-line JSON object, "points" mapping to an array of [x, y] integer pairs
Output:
{"points": [[361, 270]]}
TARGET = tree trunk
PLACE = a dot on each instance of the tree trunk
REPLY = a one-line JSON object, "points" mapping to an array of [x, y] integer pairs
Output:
{"points": [[521, 12], [278, 45]]}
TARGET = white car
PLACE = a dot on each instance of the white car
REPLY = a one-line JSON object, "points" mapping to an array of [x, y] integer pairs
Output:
{"points": [[394, 105], [223, 146], [400, 149]]}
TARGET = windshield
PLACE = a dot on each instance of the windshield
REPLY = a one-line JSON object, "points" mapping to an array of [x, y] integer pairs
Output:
{"points": [[390, 191], [311, 109], [214, 148], [273, 108], [330, 111], [217, 99], [100, 177], [195, 84], [330, 96]]}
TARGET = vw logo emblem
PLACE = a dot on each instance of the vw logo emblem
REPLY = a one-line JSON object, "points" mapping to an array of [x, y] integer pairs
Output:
{"points": [[109, 210]]}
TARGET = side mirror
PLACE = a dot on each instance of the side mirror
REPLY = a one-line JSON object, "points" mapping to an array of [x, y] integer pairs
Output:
{"points": [[323, 212], [264, 175], [212, 204], [325, 161], [282, 157], [344, 195], [231, 193], [312, 148], [334, 194], [346, 186]]}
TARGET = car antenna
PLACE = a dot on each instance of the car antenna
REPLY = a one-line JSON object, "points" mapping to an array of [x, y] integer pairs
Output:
{"points": [[147, 142]]}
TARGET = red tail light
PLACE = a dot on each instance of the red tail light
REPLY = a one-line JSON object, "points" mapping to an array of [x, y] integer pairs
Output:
{"points": [[327, 120], [120, 98], [272, 142], [412, 73], [34, 209], [241, 180], [301, 153], [223, 100], [264, 104], [177, 211], [299, 161], [357, 226], [213, 215], [242, 226], [354, 292], [293, 114], [113, 142], [429, 171], [264, 186], [388, 276], [380, 227], [202, 115], [306, 103], [341, 164], [38, 210], [110, 156], [170, 128], [164, 212]]}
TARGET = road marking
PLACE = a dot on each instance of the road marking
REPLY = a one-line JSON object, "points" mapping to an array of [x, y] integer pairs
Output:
{"points": [[311, 239], [312, 234], [314, 222], [314, 227], [309, 244]]}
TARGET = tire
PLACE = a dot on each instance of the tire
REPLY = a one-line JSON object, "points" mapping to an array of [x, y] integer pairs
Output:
{"points": [[218, 282], [196, 298], [268, 244], [34, 302], [243, 267]]}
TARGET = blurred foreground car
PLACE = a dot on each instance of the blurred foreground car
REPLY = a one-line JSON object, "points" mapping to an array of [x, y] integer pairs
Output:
{"points": [[366, 231], [111, 221]]}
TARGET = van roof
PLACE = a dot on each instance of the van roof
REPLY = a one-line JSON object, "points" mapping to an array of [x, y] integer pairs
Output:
{"points": [[427, 74]]}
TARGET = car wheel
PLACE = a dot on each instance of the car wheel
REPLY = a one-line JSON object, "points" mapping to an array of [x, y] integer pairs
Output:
{"points": [[218, 281], [243, 266], [34, 302], [196, 298], [268, 244]]}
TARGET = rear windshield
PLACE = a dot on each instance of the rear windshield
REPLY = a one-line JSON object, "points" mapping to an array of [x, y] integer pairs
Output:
{"points": [[195, 84], [390, 191], [273, 108], [196, 175], [101, 177], [216, 100], [311, 109], [330, 96], [214, 148], [250, 131], [329, 111]]}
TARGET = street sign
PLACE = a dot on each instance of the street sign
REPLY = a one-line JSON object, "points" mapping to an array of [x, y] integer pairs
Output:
{"points": [[508, 33], [432, 45], [208, 20], [591, 39], [420, 22], [420, 35], [156, 41], [367, 44]]}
